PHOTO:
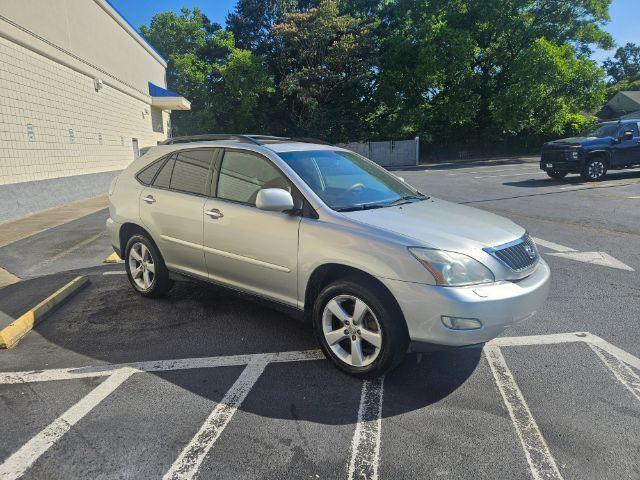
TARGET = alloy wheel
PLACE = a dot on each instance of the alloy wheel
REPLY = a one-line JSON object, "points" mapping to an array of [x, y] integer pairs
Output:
{"points": [[142, 266], [351, 330], [596, 169]]}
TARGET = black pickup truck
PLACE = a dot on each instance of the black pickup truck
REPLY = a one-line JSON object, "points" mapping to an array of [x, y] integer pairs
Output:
{"points": [[611, 146]]}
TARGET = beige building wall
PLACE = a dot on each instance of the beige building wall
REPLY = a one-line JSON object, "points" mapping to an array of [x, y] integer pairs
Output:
{"points": [[90, 31], [54, 123], [74, 101]]}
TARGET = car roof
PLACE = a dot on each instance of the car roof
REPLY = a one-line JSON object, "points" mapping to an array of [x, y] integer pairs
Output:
{"points": [[278, 147]]}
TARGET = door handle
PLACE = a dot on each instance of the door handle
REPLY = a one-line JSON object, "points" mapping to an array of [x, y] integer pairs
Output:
{"points": [[214, 213], [149, 199]]}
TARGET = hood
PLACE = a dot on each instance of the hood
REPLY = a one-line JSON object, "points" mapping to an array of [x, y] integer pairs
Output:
{"points": [[440, 224], [578, 142]]}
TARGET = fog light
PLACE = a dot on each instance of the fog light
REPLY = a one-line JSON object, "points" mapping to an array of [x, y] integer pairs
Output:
{"points": [[456, 323]]}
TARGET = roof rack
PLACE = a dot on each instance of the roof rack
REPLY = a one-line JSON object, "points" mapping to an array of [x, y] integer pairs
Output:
{"points": [[253, 139], [210, 138]]}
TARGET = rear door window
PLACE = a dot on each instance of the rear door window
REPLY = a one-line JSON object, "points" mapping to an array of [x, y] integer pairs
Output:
{"points": [[191, 171], [188, 171]]}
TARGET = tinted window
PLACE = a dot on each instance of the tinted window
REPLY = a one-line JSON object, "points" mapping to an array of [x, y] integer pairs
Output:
{"points": [[191, 171], [606, 130], [146, 176], [164, 177], [630, 127], [344, 180], [242, 175]]}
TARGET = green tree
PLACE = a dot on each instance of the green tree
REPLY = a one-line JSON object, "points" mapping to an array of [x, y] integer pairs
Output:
{"points": [[465, 66], [324, 73], [252, 20], [625, 64], [222, 81]]}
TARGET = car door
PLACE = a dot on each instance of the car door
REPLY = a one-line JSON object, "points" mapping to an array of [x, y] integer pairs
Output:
{"points": [[245, 247], [627, 152], [171, 209]]}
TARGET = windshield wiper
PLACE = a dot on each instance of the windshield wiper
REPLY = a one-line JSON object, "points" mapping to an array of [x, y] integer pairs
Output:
{"points": [[362, 206], [407, 199]]}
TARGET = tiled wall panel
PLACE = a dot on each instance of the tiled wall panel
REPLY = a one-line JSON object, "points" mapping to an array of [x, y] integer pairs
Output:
{"points": [[41, 101]]}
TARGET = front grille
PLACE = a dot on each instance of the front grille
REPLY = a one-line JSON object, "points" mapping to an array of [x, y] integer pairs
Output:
{"points": [[519, 255], [553, 156]]}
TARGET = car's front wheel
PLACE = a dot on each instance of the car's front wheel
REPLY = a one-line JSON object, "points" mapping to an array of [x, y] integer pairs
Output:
{"points": [[360, 328], [145, 267], [557, 174], [594, 170]]}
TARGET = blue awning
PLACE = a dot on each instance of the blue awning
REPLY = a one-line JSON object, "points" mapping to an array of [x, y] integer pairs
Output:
{"points": [[166, 99]]}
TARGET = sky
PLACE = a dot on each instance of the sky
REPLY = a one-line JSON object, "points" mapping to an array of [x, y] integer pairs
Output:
{"points": [[624, 25]]}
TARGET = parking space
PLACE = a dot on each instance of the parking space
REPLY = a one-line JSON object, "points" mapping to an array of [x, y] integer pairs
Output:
{"points": [[240, 391], [205, 384]]}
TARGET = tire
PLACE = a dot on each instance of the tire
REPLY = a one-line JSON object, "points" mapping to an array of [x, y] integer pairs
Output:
{"points": [[382, 323], [557, 174], [150, 278], [594, 169]]}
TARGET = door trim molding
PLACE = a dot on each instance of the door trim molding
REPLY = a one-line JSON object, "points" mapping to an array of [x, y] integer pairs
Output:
{"points": [[222, 253], [242, 258]]}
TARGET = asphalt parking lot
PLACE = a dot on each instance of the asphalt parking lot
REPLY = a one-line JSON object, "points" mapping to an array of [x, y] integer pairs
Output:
{"points": [[204, 384]]}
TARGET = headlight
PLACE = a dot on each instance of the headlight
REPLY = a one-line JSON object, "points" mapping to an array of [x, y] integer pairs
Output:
{"points": [[451, 268]]}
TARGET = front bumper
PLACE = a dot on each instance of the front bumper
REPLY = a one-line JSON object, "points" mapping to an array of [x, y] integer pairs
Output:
{"points": [[496, 305], [570, 166]]}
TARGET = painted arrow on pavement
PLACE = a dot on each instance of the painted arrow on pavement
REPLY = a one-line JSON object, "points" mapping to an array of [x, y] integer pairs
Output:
{"points": [[595, 258]]}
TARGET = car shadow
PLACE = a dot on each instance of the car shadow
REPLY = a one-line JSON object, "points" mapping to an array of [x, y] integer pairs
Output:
{"points": [[108, 323]]}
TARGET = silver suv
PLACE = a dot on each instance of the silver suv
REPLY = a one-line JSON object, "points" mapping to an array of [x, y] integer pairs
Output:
{"points": [[377, 267]]}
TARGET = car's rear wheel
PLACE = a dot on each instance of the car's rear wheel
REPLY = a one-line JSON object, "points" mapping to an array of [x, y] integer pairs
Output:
{"points": [[360, 328], [557, 174], [594, 170], [145, 267]]}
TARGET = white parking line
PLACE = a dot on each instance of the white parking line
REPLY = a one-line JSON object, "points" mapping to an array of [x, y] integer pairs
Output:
{"points": [[512, 169], [505, 175], [620, 370], [188, 462], [365, 444], [156, 366], [541, 462], [18, 463], [115, 272], [553, 246]]}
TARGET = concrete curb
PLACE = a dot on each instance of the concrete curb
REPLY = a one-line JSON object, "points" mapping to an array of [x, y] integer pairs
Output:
{"points": [[13, 333]]}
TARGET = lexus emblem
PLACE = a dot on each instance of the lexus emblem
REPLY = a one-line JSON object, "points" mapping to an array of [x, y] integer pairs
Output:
{"points": [[530, 251]]}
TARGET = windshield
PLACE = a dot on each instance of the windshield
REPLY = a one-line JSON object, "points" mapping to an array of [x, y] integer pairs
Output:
{"points": [[345, 181], [608, 130]]}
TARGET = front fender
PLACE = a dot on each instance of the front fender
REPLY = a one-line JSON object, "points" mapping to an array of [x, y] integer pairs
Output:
{"points": [[322, 243]]}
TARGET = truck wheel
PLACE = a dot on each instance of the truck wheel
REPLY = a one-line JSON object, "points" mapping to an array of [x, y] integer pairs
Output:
{"points": [[145, 267], [594, 170], [557, 174], [360, 328]]}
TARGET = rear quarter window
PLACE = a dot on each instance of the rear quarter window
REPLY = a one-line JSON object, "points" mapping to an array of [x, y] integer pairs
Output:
{"points": [[147, 174]]}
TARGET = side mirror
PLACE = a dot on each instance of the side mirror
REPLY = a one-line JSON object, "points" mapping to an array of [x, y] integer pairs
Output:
{"points": [[274, 200], [628, 135]]}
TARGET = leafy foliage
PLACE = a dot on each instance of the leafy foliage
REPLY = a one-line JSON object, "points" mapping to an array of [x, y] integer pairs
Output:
{"points": [[625, 64], [463, 73]]}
